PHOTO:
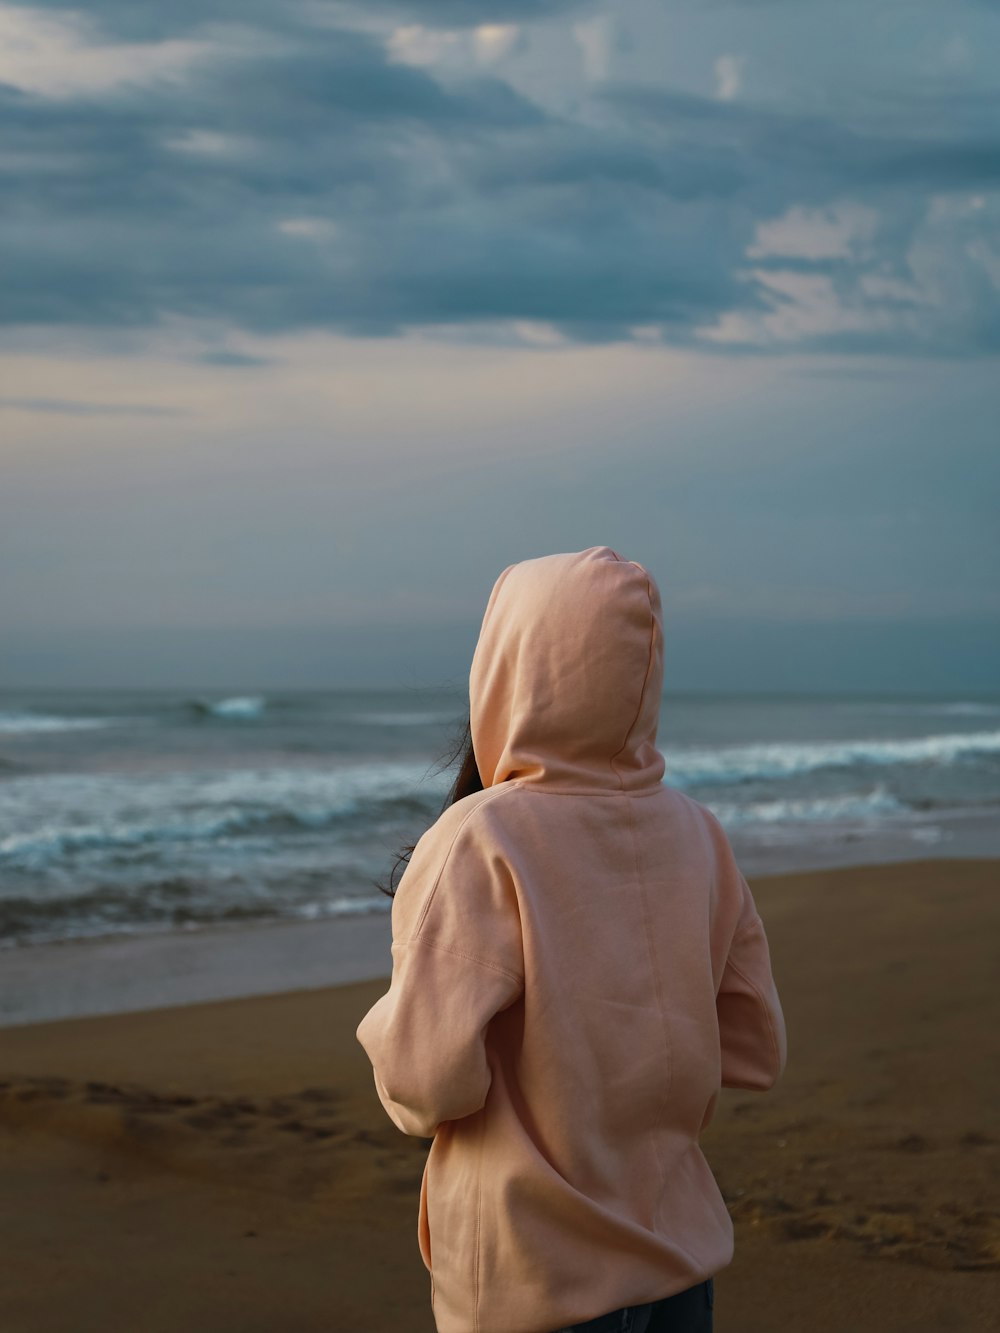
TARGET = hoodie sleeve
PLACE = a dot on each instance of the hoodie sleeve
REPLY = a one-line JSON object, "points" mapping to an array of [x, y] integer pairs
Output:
{"points": [[457, 961], [751, 1022]]}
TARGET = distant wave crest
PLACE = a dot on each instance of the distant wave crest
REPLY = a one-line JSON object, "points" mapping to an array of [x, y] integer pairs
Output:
{"points": [[106, 812], [743, 763], [402, 719], [239, 708], [850, 805], [173, 903], [22, 723], [954, 708]]}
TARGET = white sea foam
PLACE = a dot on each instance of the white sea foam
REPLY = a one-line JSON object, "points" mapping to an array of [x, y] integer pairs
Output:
{"points": [[47, 817], [927, 833], [345, 907], [955, 708], [738, 763], [18, 723], [828, 809], [403, 719], [239, 708]]}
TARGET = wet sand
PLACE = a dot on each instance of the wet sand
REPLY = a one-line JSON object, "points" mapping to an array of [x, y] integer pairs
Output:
{"points": [[227, 1168]]}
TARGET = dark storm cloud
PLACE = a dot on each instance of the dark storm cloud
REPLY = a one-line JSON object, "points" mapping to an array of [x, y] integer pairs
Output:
{"points": [[313, 182], [441, 201], [817, 150], [145, 20], [450, 13]]}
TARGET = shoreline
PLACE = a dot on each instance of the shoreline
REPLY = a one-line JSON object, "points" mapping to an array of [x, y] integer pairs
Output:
{"points": [[125, 973]]}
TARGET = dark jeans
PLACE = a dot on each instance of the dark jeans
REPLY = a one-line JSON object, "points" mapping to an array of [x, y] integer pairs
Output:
{"points": [[688, 1311]]}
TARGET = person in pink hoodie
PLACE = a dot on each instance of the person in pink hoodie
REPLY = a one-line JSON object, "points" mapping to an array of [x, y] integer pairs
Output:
{"points": [[578, 968]]}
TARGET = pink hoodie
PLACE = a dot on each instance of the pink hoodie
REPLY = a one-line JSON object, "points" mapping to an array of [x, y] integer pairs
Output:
{"points": [[578, 967]]}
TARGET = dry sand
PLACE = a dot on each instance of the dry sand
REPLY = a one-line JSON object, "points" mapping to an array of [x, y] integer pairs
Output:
{"points": [[227, 1168]]}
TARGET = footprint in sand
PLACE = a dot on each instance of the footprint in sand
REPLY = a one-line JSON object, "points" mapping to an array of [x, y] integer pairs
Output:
{"points": [[227, 1119]]}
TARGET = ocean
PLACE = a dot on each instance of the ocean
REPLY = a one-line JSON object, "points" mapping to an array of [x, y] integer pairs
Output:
{"points": [[134, 812]]}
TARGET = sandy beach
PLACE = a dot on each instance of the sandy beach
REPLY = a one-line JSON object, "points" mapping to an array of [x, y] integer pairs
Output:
{"points": [[226, 1167]]}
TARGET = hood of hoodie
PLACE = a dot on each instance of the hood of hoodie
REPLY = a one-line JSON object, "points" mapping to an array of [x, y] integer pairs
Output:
{"points": [[566, 678]]}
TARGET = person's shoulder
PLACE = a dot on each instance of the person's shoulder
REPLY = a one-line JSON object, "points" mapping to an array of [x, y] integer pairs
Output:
{"points": [[686, 803], [467, 818], [456, 884], [710, 826], [700, 810]]}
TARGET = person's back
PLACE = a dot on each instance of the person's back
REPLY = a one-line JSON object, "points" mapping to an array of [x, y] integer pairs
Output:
{"points": [[578, 967]]}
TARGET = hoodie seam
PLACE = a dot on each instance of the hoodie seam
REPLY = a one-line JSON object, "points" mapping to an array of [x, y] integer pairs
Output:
{"points": [[457, 953], [752, 924], [487, 616], [651, 951], [640, 886], [447, 857], [772, 1034], [645, 678]]}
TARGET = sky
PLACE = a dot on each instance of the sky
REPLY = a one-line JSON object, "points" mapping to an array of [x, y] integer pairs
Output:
{"points": [[316, 316]]}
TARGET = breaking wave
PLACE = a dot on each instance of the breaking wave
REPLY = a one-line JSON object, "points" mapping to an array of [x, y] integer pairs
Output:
{"points": [[784, 759], [22, 723], [239, 708], [849, 805], [91, 812]]}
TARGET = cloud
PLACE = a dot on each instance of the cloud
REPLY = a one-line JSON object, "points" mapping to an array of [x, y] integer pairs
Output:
{"points": [[935, 297], [487, 44], [237, 360], [373, 181], [494, 41], [80, 408], [728, 76], [597, 40], [214, 202], [148, 20], [834, 232], [65, 55], [313, 229], [413, 44], [474, 12]]}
